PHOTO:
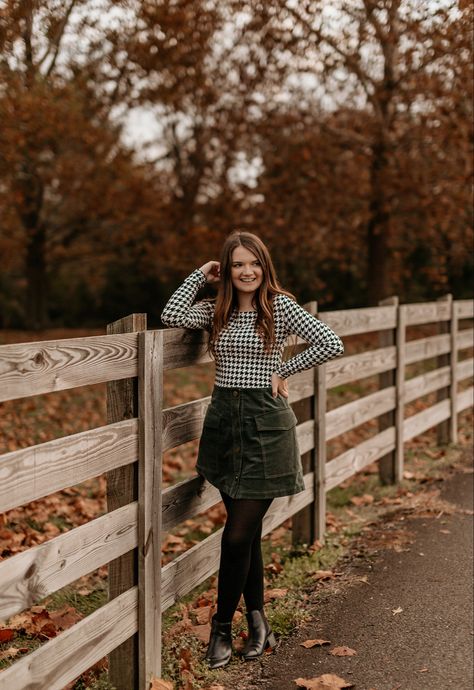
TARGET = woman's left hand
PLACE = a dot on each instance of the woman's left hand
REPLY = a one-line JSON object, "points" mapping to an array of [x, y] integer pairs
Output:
{"points": [[279, 386]]}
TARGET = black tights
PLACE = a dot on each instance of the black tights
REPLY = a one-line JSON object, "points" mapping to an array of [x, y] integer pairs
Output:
{"points": [[241, 563]]}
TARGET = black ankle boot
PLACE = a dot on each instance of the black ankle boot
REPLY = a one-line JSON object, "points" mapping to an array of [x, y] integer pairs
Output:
{"points": [[219, 650], [260, 635]]}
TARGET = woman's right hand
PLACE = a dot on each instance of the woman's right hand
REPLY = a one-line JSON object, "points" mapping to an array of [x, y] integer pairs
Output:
{"points": [[212, 271]]}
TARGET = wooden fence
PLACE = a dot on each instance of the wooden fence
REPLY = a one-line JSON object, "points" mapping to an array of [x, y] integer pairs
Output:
{"points": [[130, 447]]}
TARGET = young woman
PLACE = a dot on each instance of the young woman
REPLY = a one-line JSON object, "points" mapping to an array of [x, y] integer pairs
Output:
{"points": [[248, 447]]}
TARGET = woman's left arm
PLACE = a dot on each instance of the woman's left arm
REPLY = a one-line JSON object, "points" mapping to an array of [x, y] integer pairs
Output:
{"points": [[325, 344]]}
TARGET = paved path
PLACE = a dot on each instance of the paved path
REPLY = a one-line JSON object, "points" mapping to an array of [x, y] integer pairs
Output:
{"points": [[431, 582]]}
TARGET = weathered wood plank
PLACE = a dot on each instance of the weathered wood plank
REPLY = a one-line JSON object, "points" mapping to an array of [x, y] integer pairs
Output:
{"points": [[465, 338], [453, 383], [37, 471], [53, 365], [400, 392], [443, 429], [365, 320], [62, 659], [426, 312], [122, 488], [420, 385], [150, 402], [350, 415], [420, 422], [465, 369], [355, 459], [465, 399], [202, 560], [464, 308], [359, 366], [319, 452], [31, 575], [387, 378], [183, 423], [424, 348]]}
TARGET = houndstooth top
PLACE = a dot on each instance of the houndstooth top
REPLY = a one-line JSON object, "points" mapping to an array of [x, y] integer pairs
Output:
{"points": [[241, 360]]}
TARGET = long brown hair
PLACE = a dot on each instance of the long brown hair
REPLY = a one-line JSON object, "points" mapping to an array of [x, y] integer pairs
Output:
{"points": [[226, 300]]}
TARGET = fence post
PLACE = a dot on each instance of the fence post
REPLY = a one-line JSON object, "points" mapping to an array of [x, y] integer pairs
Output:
{"points": [[319, 453], [443, 429], [122, 488], [400, 392], [454, 373], [387, 338], [304, 521], [150, 397]]}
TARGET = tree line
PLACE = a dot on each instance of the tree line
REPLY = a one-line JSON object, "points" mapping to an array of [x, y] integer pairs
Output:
{"points": [[341, 133]]}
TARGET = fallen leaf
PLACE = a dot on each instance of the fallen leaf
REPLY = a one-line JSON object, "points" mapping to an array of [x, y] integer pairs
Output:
{"points": [[399, 610], [314, 643], [323, 575], [9, 653], [328, 681], [366, 499], [160, 684], [6, 634], [275, 593], [342, 651]]}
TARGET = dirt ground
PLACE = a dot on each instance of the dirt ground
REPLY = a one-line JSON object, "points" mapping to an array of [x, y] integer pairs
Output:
{"points": [[403, 601]]}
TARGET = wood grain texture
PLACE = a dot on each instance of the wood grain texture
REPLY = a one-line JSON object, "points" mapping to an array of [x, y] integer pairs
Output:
{"points": [[41, 570], [420, 422], [355, 459], [150, 402], [426, 312], [465, 399], [62, 659], [365, 320], [424, 348], [465, 338], [53, 365], [37, 471], [122, 489], [443, 429], [387, 378], [420, 385], [356, 367], [350, 415], [465, 308], [465, 369]]}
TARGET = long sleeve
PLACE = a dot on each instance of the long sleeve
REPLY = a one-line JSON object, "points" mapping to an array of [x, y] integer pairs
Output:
{"points": [[324, 343], [180, 310]]}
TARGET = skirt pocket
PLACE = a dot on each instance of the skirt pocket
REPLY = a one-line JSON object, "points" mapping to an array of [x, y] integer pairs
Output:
{"points": [[210, 441], [277, 432]]}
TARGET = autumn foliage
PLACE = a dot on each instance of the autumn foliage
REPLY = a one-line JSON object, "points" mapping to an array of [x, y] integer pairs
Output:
{"points": [[344, 139]]}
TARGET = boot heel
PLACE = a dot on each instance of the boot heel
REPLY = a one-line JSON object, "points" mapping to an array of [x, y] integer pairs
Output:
{"points": [[271, 641]]}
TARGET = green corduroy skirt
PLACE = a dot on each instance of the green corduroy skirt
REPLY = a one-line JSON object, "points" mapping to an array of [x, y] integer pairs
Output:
{"points": [[248, 447]]}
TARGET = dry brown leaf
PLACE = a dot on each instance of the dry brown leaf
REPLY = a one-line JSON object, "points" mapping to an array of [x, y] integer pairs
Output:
{"points": [[160, 684], [366, 499], [328, 681], [323, 575], [202, 632], [9, 653], [343, 651], [314, 643], [275, 593], [202, 614]]}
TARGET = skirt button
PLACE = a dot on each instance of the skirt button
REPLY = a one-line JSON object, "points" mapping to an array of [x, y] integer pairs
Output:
{"points": [[236, 393]]}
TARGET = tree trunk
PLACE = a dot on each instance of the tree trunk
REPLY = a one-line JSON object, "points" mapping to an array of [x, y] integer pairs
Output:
{"points": [[378, 256], [36, 293]]}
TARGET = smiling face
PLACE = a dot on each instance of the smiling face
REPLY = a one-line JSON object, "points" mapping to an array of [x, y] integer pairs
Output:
{"points": [[246, 273]]}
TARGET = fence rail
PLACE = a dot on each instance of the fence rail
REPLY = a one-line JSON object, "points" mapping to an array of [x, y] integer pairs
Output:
{"points": [[131, 360]]}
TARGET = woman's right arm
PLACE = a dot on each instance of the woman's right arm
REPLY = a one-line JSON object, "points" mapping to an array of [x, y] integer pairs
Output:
{"points": [[180, 312]]}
